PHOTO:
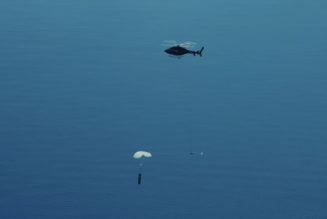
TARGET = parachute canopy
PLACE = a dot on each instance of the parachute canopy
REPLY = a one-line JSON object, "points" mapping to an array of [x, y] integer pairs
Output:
{"points": [[140, 154]]}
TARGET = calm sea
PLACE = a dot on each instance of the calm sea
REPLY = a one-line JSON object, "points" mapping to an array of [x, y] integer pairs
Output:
{"points": [[84, 84]]}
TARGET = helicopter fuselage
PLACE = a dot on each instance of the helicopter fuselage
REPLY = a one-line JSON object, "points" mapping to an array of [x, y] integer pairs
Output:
{"points": [[177, 51]]}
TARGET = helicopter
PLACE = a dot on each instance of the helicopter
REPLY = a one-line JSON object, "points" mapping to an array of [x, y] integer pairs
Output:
{"points": [[177, 49]]}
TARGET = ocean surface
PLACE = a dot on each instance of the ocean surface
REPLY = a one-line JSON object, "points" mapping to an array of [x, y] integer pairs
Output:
{"points": [[85, 84]]}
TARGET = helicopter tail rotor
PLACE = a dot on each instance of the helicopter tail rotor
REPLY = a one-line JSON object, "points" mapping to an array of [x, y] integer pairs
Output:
{"points": [[200, 52]]}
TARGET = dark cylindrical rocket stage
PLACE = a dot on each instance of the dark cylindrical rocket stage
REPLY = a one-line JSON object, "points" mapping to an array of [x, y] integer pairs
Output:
{"points": [[139, 178]]}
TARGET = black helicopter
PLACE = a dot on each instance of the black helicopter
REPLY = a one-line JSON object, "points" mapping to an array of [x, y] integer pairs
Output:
{"points": [[181, 49]]}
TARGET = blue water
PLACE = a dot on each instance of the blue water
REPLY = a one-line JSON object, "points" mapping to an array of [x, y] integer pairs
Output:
{"points": [[84, 84]]}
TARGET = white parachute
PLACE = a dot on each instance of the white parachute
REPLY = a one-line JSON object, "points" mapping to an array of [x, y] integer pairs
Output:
{"points": [[140, 154]]}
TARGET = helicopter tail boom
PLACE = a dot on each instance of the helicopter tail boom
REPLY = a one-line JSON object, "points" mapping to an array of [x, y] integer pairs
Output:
{"points": [[199, 52]]}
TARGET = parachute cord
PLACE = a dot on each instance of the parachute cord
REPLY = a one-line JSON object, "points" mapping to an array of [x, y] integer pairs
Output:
{"points": [[140, 167]]}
